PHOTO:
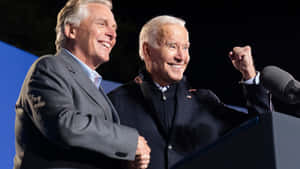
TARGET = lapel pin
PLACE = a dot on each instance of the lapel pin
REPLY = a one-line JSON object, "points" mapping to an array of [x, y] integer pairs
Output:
{"points": [[189, 96]]}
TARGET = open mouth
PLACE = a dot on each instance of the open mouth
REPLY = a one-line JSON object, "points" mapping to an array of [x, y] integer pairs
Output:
{"points": [[177, 66], [105, 44]]}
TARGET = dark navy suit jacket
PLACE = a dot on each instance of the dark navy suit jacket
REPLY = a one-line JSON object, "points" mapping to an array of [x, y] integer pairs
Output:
{"points": [[200, 118]]}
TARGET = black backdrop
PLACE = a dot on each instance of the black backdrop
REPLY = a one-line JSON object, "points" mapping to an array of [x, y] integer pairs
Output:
{"points": [[270, 27]]}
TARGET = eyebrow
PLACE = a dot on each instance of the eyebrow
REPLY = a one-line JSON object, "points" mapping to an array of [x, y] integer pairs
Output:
{"points": [[105, 20], [172, 42]]}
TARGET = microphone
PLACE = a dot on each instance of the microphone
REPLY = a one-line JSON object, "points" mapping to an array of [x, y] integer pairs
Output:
{"points": [[281, 84]]}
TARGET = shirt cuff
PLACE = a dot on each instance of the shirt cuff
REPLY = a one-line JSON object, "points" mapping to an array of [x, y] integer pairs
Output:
{"points": [[255, 80]]}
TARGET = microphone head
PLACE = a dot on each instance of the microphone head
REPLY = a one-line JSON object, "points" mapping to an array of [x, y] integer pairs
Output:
{"points": [[276, 80]]}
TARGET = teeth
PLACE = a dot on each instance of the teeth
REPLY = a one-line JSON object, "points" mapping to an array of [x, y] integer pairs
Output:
{"points": [[107, 45], [176, 66]]}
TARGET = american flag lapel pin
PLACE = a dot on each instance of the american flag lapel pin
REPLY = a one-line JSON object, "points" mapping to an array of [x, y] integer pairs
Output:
{"points": [[189, 96]]}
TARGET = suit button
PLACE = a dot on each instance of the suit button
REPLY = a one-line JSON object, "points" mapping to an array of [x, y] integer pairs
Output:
{"points": [[120, 154], [170, 147]]}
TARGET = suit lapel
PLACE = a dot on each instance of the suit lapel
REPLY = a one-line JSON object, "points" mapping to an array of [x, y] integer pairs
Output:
{"points": [[183, 100], [147, 93], [84, 82]]}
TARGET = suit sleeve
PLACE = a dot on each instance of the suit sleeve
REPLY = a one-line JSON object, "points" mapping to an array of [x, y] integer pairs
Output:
{"points": [[227, 116], [48, 99], [257, 99]]}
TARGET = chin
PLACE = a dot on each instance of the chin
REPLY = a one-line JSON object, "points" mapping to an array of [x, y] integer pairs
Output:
{"points": [[104, 58], [176, 78]]}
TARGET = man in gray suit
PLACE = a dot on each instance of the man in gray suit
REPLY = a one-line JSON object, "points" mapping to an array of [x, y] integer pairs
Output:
{"points": [[63, 117]]}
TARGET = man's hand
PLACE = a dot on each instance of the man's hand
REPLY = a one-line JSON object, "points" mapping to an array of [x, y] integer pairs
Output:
{"points": [[242, 60], [142, 158]]}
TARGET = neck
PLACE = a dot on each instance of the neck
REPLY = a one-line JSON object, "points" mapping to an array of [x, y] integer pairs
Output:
{"points": [[82, 57]]}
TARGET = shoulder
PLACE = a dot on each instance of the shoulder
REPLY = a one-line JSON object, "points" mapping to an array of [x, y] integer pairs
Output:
{"points": [[124, 90], [48, 69], [125, 94], [202, 94], [47, 62]]}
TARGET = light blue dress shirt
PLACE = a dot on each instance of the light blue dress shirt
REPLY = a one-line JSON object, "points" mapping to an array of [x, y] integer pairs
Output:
{"points": [[255, 80], [92, 74]]}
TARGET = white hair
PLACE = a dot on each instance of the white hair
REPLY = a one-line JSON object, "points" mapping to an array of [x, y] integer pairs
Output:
{"points": [[73, 13], [150, 30]]}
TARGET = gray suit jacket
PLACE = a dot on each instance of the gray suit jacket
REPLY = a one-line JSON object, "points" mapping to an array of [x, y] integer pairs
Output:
{"points": [[64, 121]]}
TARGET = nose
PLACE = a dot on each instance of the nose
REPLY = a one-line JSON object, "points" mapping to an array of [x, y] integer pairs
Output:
{"points": [[111, 33], [180, 55]]}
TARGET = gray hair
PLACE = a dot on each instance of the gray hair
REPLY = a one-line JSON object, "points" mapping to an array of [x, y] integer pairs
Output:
{"points": [[150, 29], [72, 13]]}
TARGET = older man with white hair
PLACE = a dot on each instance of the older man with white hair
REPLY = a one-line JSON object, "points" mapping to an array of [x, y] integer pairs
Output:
{"points": [[176, 119]]}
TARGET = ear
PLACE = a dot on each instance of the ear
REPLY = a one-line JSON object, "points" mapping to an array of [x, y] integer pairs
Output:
{"points": [[147, 54], [70, 31], [146, 50]]}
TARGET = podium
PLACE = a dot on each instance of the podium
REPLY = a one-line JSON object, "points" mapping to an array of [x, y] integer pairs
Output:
{"points": [[271, 141]]}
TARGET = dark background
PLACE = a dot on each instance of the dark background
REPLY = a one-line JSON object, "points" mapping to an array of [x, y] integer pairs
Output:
{"points": [[271, 28]]}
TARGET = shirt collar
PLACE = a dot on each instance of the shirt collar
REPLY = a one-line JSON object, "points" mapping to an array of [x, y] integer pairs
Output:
{"points": [[95, 77], [162, 88]]}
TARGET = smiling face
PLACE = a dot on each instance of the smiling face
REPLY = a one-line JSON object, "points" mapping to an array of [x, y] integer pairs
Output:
{"points": [[96, 35], [167, 62]]}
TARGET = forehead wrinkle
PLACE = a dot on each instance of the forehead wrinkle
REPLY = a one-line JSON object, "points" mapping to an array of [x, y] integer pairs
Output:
{"points": [[105, 14], [165, 33]]}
